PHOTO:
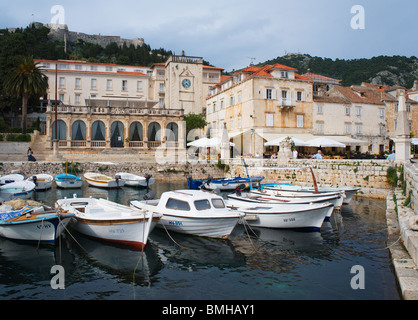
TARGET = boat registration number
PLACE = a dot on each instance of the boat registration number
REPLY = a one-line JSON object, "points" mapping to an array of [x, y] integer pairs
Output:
{"points": [[175, 223], [289, 220], [117, 230]]}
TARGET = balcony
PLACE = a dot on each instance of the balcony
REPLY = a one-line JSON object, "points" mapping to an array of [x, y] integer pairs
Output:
{"points": [[286, 103]]}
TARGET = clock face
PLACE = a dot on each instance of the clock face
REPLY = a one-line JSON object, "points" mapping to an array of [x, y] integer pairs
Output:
{"points": [[186, 83]]}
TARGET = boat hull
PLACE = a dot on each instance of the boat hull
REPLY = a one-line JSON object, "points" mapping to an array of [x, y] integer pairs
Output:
{"points": [[102, 181], [68, 181], [203, 227], [44, 229], [309, 218], [42, 181], [231, 184]]}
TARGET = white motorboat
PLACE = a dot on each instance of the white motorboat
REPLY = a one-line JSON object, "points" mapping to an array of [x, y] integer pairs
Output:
{"points": [[348, 191], [31, 222], [110, 221], [42, 181], [10, 178], [103, 181], [193, 212], [284, 216], [68, 181], [251, 199], [17, 190], [134, 180]]}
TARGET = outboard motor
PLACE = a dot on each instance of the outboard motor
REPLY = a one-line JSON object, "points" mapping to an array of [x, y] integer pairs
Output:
{"points": [[117, 178], [34, 179], [206, 182], [147, 178], [149, 196], [239, 188]]}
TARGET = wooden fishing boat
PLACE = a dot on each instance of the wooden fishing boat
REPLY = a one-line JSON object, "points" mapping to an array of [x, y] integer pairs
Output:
{"points": [[109, 221], [103, 181], [68, 181], [134, 180], [34, 222], [42, 181], [193, 212], [17, 190], [10, 178]]}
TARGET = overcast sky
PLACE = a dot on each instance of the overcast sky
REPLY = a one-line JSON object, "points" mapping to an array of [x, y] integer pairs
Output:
{"points": [[228, 33]]}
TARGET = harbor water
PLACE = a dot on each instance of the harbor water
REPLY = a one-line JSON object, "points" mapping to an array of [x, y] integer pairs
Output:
{"points": [[348, 259]]}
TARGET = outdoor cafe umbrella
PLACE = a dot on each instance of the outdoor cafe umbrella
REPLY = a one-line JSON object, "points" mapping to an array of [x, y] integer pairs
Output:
{"points": [[324, 143], [207, 143], [276, 142]]}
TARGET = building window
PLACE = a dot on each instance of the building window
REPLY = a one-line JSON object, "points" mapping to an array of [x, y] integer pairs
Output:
{"points": [[161, 87], [61, 97], [269, 94], [300, 96], [77, 99], [109, 85], [214, 106], [299, 121], [239, 97], [139, 86], [61, 83], [239, 122], [347, 111], [93, 84], [231, 100], [347, 128], [319, 108], [320, 127], [78, 67], [109, 69], [77, 83], [93, 68], [381, 113], [124, 85], [358, 111], [231, 123], [222, 104], [161, 102], [382, 130], [408, 107], [359, 129], [284, 74], [269, 119]]}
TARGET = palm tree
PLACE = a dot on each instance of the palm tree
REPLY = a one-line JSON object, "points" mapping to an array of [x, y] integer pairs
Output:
{"points": [[25, 80]]}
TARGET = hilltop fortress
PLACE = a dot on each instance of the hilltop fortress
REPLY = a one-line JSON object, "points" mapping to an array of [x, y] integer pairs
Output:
{"points": [[60, 32]]}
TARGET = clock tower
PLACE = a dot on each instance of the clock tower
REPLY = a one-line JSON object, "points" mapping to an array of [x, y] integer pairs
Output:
{"points": [[184, 84]]}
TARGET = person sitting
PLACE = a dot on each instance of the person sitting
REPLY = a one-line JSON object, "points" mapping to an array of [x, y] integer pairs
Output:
{"points": [[318, 155]]}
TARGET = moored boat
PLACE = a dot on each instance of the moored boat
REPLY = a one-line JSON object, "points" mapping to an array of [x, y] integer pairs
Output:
{"points": [[68, 181], [10, 178], [223, 184], [134, 180], [33, 222], [42, 181], [109, 221], [103, 181], [193, 212], [17, 190], [284, 216]]}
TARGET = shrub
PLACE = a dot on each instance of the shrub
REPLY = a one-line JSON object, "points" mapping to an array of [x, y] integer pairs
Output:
{"points": [[18, 137], [392, 176]]}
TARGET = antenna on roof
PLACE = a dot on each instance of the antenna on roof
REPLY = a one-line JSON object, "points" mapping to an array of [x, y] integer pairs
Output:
{"points": [[252, 60]]}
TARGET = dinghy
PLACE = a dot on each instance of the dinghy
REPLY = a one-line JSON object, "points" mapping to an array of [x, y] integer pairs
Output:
{"points": [[9, 178], [223, 184], [134, 180], [31, 221], [109, 221], [193, 212], [68, 181], [17, 190], [42, 181], [103, 181]]}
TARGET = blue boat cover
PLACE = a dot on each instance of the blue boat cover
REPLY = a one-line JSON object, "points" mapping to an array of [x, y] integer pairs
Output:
{"points": [[13, 214]]}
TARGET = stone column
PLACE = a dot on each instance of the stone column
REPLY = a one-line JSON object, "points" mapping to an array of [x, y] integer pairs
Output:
{"points": [[402, 140]]}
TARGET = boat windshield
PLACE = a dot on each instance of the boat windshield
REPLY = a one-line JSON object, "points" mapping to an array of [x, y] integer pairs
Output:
{"points": [[177, 205], [218, 203], [202, 204]]}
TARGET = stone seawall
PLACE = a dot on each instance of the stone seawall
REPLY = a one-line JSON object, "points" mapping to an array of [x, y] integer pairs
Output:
{"points": [[368, 175], [411, 179]]}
